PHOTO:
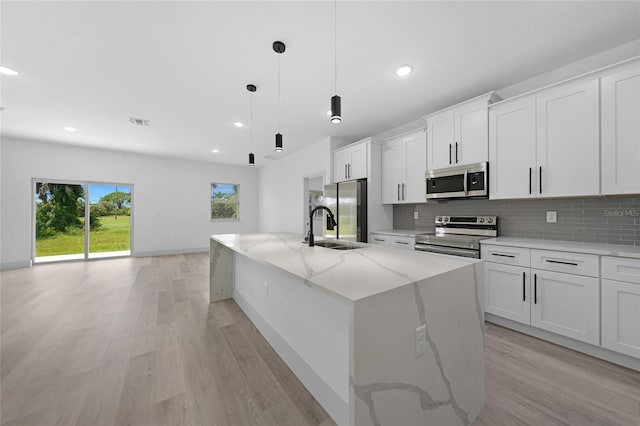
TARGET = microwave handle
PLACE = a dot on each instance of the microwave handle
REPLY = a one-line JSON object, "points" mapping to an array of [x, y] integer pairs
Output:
{"points": [[464, 183]]}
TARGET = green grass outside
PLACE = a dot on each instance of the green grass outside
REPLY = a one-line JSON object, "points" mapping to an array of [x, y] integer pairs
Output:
{"points": [[114, 235]]}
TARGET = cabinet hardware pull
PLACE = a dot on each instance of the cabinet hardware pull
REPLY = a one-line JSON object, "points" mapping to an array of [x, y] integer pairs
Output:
{"points": [[345, 171], [449, 153], [530, 170], [503, 255], [524, 294], [540, 179], [561, 262], [398, 192], [349, 170], [535, 289], [378, 239], [403, 191], [401, 242], [456, 152]]}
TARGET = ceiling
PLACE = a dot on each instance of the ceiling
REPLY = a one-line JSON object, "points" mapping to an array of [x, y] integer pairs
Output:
{"points": [[184, 66]]}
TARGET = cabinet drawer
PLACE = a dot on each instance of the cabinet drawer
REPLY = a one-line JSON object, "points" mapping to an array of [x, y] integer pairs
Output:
{"points": [[570, 263], [516, 256], [405, 243], [621, 269], [379, 239]]}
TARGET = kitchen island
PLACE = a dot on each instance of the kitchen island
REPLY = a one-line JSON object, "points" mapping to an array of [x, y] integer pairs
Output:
{"points": [[379, 336]]}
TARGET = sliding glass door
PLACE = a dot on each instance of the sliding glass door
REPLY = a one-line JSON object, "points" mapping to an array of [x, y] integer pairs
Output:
{"points": [[81, 220]]}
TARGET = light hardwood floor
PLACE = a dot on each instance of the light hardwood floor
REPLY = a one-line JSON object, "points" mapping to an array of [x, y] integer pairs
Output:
{"points": [[135, 342]]}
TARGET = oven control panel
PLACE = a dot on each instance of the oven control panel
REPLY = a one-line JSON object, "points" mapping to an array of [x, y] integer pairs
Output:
{"points": [[466, 220]]}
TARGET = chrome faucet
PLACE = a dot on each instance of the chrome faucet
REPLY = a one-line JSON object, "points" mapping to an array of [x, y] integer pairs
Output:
{"points": [[331, 222]]}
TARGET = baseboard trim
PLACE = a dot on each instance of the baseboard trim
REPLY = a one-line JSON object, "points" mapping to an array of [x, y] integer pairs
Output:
{"points": [[337, 408], [150, 253], [4, 266], [595, 351]]}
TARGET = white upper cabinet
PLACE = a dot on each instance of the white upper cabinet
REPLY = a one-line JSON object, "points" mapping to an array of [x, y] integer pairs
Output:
{"points": [[512, 149], [620, 94], [391, 171], [404, 162], [567, 140], [350, 162], [546, 144], [459, 135]]}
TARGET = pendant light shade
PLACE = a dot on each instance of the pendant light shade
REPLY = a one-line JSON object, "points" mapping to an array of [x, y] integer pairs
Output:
{"points": [[336, 109], [252, 160], [279, 47]]}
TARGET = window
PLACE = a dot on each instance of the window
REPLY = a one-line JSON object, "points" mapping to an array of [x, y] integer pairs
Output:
{"points": [[224, 201]]}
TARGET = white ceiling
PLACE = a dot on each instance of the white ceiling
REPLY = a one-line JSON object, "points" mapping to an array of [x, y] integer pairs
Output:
{"points": [[185, 65]]}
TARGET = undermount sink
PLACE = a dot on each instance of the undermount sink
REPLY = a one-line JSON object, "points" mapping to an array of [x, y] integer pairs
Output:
{"points": [[337, 245]]}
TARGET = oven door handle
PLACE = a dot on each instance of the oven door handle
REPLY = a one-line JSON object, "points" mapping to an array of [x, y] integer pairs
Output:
{"points": [[447, 250]]}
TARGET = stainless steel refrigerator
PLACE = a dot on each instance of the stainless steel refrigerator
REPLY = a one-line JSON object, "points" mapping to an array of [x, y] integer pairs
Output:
{"points": [[348, 203]]}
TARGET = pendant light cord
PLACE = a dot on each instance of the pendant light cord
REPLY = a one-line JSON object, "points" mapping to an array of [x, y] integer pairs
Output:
{"points": [[279, 107], [251, 119], [335, 46]]}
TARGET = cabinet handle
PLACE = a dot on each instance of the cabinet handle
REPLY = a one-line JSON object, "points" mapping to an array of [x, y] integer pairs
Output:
{"points": [[524, 288], [349, 170], [449, 153], [401, 242], [530, 171], [398, 192], [561, 262], [403, 191], [378, 239], [535, 289], [503, 255], [345, 171], [540, 176], [456, 152]]}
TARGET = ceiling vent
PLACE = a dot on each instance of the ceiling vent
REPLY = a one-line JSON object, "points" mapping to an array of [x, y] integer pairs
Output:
{"points": [[139, 121]]}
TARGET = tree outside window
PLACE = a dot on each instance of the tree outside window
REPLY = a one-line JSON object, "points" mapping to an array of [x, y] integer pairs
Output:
{"points": [[224, 201]]}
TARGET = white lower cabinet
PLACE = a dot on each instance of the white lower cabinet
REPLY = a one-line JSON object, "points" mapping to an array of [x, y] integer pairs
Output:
{"points": [[621, 317], [507, 291], [621, 305], [566, 304]]}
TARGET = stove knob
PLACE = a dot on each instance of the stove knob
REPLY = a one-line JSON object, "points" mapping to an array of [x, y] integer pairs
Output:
{"points": [[482, 220], [445, 219], [438, 219], [489, 220]]}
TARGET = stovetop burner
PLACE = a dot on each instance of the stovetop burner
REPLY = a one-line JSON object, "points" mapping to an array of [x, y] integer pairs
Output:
{"points": [[459, 235]]}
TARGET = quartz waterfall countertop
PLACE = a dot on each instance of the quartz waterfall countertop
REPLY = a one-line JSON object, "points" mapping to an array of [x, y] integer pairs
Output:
{"points": [[621, 250], [351, 274]]}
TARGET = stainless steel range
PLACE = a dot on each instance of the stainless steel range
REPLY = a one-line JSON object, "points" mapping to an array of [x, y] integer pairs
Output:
{"points": [[458, 235]]}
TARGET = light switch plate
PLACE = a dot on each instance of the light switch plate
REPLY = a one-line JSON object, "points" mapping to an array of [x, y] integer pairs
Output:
{"points": [[552, 217], [415, 215]]}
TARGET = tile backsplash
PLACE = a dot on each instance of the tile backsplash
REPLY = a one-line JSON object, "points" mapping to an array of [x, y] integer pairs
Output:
{"points": [[613, 220]]}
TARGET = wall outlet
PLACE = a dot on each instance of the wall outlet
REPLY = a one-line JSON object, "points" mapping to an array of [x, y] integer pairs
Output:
{"points": [[266, 289], [421, 339], [552, 217], [415, 215]]}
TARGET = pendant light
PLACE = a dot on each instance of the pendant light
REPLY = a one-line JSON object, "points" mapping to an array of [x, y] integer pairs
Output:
{"points": [[279, 48], [252, 159], [336, 107]]}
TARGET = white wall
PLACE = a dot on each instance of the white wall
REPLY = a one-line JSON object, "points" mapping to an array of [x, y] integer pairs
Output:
{"points": [[171, 198], [282, 194]]}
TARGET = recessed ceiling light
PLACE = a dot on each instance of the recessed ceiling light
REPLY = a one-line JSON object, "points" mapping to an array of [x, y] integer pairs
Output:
{"points": [[215, 151], [69, 129], [238, 123], [404, 70], [7, 71]]}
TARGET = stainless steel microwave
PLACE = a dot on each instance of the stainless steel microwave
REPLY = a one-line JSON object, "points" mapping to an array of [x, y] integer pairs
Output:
{"points": [[471, 181]]}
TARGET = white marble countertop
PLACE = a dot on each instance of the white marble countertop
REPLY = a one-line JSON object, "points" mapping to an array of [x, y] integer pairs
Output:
{"points": [[397, 232], [571, 246], [351, 274]]}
